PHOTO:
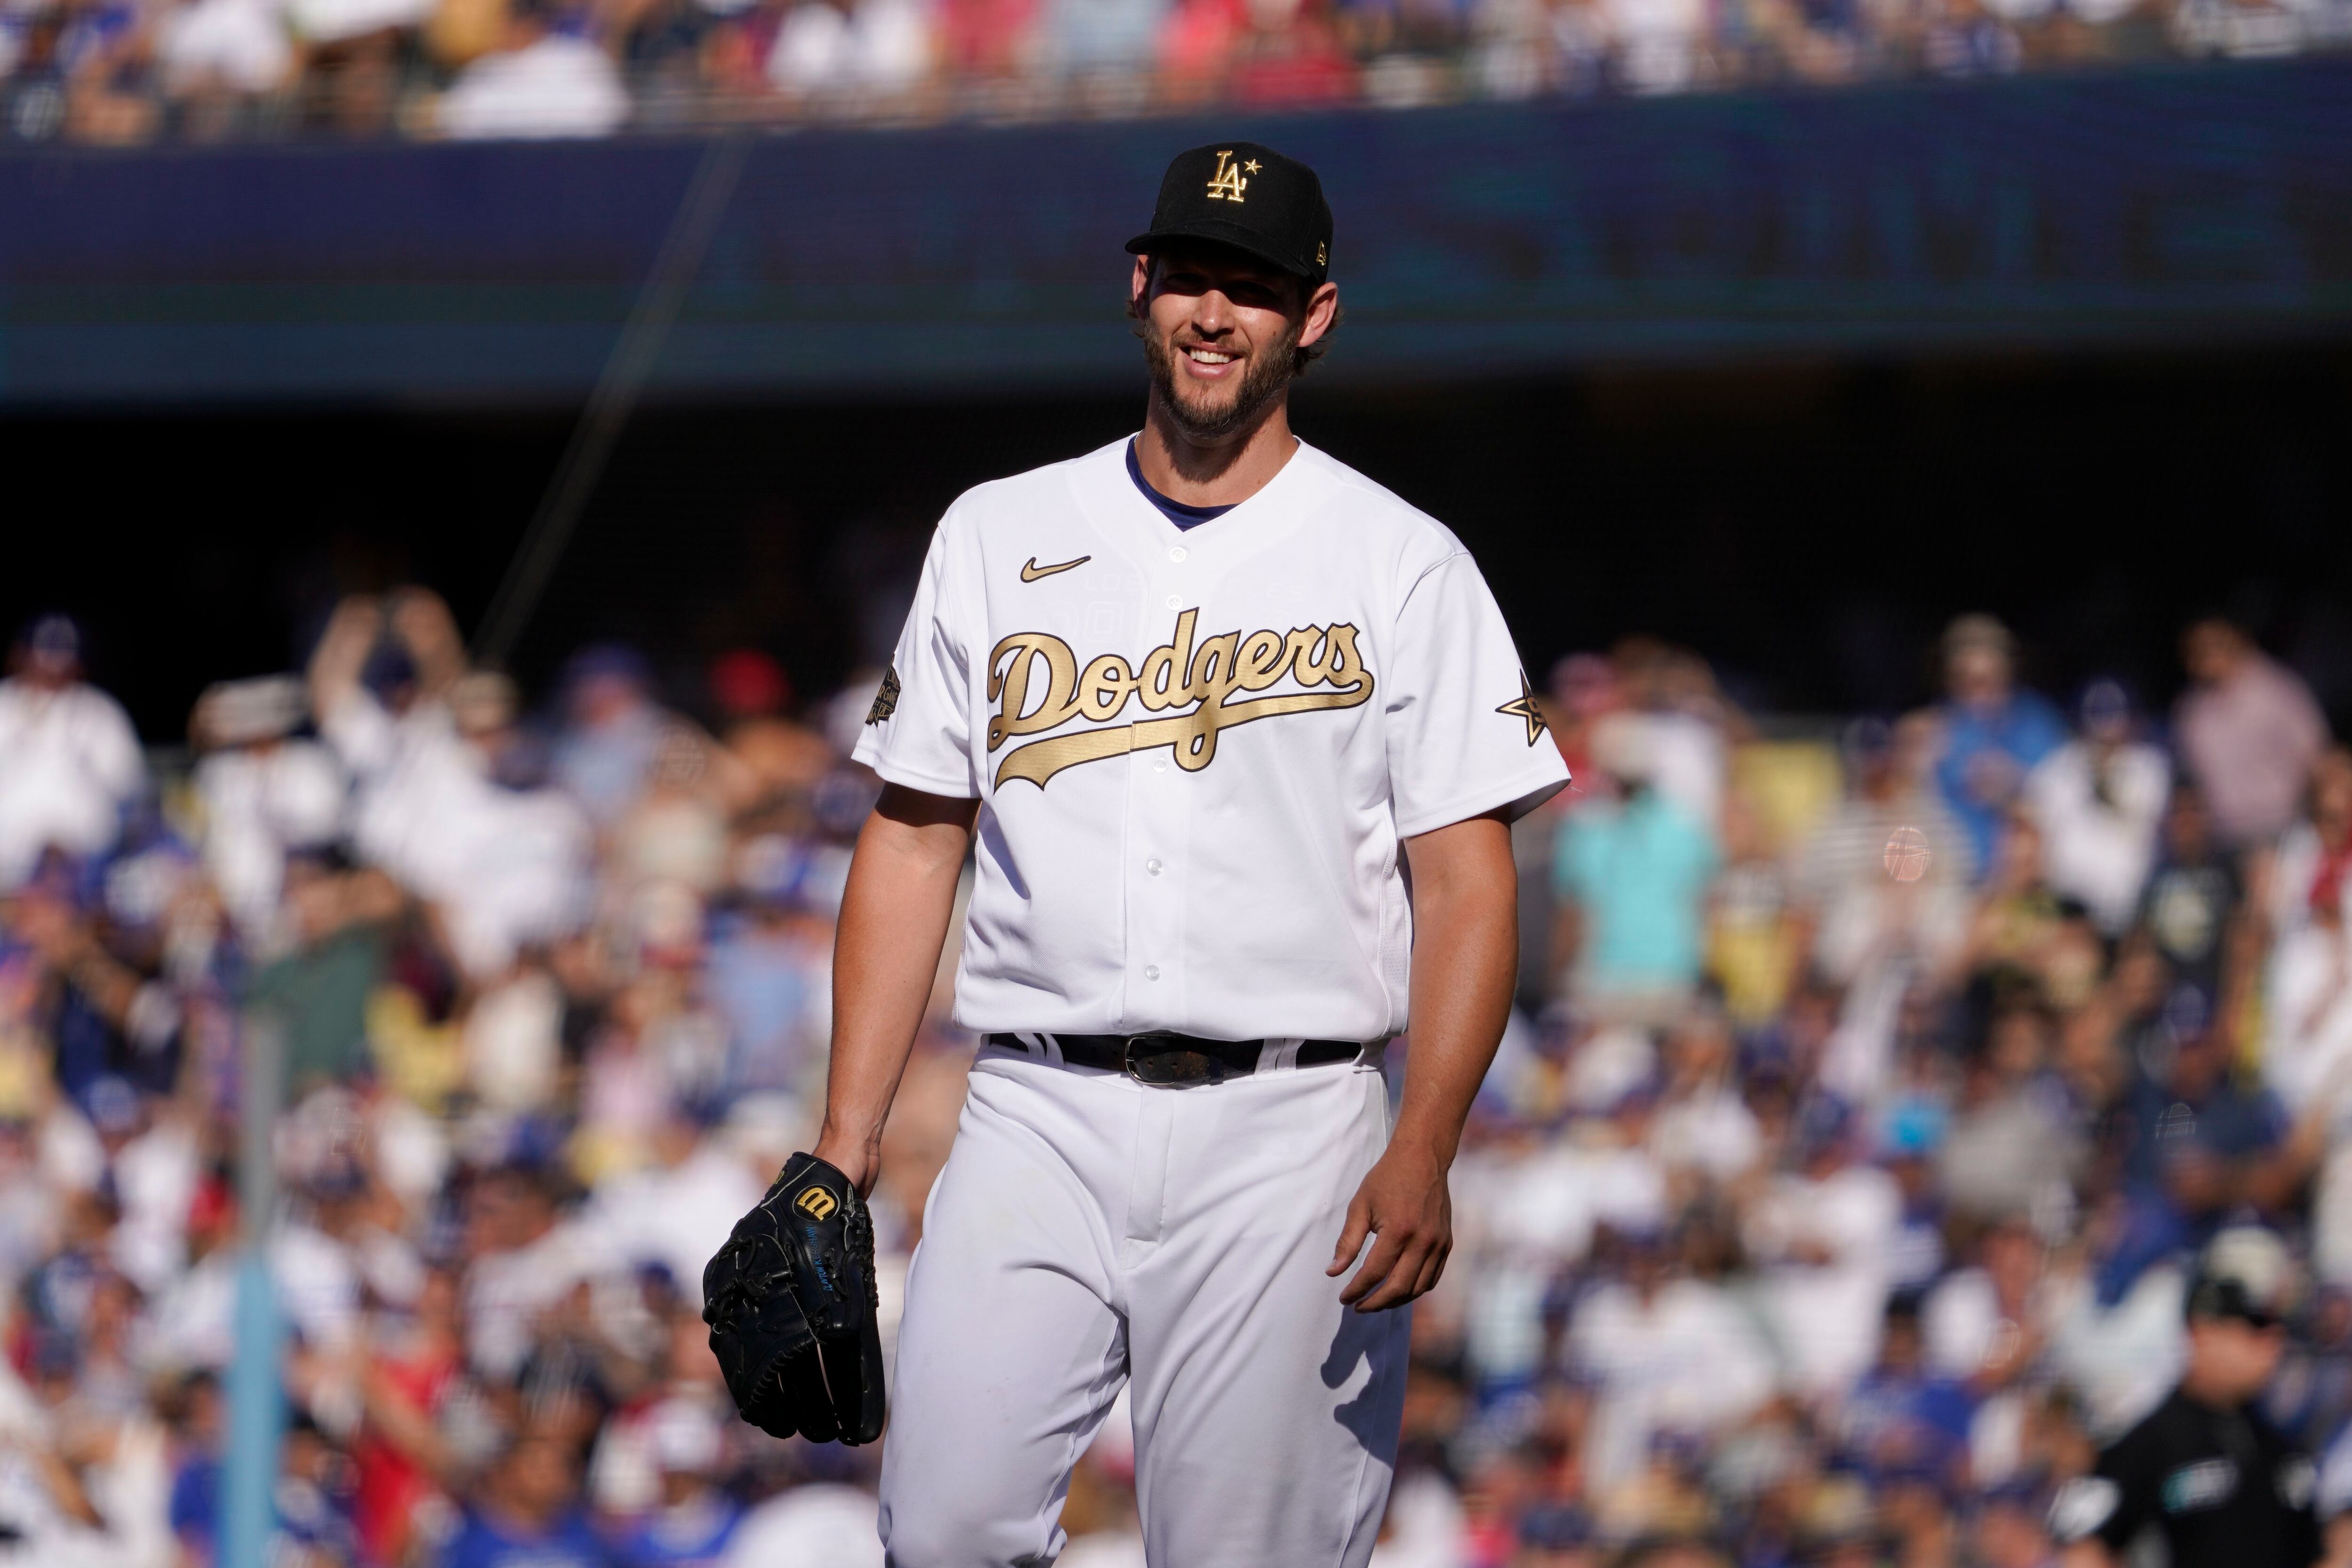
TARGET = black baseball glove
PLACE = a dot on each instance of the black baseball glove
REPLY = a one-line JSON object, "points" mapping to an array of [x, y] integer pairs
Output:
{"points": [[789, 1301]]}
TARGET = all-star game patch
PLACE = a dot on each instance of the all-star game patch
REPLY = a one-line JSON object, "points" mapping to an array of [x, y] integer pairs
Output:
{"points": [[886, 700]]}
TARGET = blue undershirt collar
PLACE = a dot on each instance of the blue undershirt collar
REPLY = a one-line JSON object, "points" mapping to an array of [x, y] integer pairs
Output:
{"points": [[1176, 512]]}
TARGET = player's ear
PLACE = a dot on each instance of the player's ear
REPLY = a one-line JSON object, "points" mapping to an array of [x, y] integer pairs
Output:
{"points": [[1138, 287], [1322, 310]]}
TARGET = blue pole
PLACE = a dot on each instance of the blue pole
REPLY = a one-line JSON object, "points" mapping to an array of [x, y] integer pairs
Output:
{"points": [[256, 1418], [256, 1406]]}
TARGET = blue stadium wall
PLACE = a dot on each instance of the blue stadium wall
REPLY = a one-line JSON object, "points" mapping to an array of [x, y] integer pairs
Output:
{"points": [[2161, 206]]}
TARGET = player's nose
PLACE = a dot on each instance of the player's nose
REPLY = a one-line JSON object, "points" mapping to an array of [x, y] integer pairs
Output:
{"points": [[1212, 313]]}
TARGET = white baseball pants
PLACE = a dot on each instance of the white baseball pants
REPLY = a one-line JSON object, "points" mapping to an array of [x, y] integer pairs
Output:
{"points": [[1089, 1231]]}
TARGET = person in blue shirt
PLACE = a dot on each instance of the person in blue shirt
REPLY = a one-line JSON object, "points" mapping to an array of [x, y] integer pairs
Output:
{"points": [[1902, 1419], [527, 1515], [1994, 731]]}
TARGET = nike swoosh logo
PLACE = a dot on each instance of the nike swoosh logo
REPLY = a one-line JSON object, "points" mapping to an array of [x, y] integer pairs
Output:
{"points": [[1032, 571]]}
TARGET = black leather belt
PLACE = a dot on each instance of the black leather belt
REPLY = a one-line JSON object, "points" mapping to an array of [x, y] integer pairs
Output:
{"points": [[1177, 1061]]}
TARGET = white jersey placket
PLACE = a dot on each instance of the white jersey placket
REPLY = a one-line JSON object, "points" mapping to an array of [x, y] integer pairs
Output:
{"points": [[1160, 802]]}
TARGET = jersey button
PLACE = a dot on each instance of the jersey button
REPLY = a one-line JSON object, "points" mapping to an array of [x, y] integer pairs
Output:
{"points": [[1152, 971], [1176, 552], [1175, 601], [1151, 866]]}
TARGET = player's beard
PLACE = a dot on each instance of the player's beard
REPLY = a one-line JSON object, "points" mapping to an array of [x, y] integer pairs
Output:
{"points": [[1267, 374]]}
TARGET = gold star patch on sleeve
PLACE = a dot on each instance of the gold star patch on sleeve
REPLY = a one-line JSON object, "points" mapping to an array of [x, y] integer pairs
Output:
{"points": [[1523, 706]]}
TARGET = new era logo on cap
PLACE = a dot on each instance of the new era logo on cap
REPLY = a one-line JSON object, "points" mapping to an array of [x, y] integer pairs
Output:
{"points": [[1246, 195]]}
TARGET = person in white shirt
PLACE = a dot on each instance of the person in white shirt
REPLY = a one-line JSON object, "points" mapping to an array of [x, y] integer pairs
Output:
{"points": [[1201, 701], [1825, 1234], [69, 760], [851, 55], [544, 82], [264, 793], [506, 867], [1666, 1353], [2099, 799]]}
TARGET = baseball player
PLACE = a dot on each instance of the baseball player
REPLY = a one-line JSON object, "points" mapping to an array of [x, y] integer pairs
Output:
{"points": [[1234, 736]]}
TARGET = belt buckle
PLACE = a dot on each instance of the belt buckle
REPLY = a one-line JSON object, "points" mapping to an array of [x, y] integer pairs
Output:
{"points": [[1167, 1069]]}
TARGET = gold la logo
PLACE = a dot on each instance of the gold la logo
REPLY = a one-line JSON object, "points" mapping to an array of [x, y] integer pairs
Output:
{"points": [[1171, 676], [816, 1202], [1228, 184]]}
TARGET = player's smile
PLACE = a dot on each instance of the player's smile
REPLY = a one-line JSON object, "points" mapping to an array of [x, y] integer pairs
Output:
{"points": [[1209, 363]]}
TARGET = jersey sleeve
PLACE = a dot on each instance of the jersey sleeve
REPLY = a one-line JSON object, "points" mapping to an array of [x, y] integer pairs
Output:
{"points": [[918, 733], [1465, 734]]}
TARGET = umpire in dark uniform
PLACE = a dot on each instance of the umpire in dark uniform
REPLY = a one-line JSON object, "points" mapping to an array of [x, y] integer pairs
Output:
{"points": [[2224, 1487]]}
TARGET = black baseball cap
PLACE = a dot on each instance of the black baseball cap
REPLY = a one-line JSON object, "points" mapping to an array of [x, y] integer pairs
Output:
{"points": [[1249, 197]]}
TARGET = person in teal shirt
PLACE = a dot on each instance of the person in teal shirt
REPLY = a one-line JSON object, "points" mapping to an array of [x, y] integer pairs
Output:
{"points": [[1636, 871]]}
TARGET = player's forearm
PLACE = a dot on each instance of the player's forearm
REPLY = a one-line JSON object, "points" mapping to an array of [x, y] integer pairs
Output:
{"points": [[1465, 964], [894, 920]]}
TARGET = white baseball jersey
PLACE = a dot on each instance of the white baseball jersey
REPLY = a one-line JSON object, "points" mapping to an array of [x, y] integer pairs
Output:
{"points": [[1197, 751]]}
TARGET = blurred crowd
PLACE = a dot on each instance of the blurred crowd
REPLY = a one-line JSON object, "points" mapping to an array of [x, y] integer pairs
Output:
{"points": [[128, 71], [1830, 1200]]}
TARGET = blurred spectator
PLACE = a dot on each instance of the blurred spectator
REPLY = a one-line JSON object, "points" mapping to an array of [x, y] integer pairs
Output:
{"points": [[2011, 1148], [1887, 870], [219, 58], [1824, 1234], [2247, 732], [544, 79], [1667, 1354], [774, 763], [2098, 799], [612, 730], [694, 1520], [265, 794], [69, 763], [1994, 733], [1658, 42], [871, 50], [1089, 37], [2309, 985], [526, 1514], [447, 801], [2193, 898], [2201, 1147], [1668, 698], [1636, 869], [1905, 1417], [829, 1523], [106, 1021]]}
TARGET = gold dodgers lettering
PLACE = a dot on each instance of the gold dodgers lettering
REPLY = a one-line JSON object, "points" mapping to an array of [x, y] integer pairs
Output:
{"points": [[1170, 675]]}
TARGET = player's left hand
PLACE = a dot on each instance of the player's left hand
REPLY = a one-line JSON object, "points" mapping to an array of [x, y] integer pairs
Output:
{"points": [[1403, 1203]]}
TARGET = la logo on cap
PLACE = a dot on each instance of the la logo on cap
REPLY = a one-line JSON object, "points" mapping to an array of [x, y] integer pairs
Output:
{"points": [[1227, 185]]}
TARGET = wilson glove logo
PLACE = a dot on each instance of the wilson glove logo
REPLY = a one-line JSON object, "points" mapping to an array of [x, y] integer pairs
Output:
{"points": [[816, 1202], [1171, 676]]}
